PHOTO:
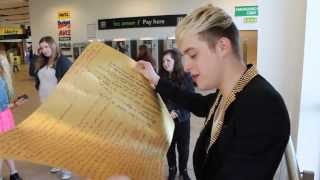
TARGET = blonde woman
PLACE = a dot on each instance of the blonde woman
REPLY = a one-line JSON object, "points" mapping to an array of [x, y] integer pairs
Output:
{"points": [[6, 118]]}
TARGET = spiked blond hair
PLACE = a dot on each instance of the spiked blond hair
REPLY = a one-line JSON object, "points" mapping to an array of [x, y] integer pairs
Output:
{"points": [[211, 23]]}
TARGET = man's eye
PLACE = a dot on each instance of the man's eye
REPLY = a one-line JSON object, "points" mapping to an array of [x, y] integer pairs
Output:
{"points": [[193, 56]]}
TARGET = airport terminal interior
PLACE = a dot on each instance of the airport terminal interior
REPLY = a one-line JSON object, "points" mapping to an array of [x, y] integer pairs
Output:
{"points": [[279, 38]]}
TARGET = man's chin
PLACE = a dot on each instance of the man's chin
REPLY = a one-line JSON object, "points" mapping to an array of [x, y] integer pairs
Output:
{"points": [[202, 87]]}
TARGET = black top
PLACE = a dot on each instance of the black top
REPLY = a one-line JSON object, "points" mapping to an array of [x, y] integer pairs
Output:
{"points": [[62, 66], [253, 137], [185, 84]]}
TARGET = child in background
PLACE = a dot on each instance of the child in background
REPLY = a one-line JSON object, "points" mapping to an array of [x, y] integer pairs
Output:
{"points": [[15, 65]]}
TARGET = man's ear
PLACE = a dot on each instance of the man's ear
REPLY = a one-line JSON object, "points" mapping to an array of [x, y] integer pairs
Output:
{"points": [[223, 46]]}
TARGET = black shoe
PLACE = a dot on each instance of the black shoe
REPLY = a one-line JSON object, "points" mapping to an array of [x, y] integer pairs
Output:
{"points": [[15, 176], [184, 175], [172, 173]]}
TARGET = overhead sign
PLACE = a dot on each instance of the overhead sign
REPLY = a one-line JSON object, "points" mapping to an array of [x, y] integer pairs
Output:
{"points": [[64, 25], [246, 17], [246, 11], [140, 22], [64, 15], [10, 31], [64, 31], [250, 20]]}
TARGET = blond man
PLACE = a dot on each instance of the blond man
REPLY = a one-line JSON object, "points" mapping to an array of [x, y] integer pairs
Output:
{"points": [[247, 124]]}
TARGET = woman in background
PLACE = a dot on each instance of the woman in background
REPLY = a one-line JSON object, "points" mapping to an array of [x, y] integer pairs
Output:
{"points": [[50, 68], [171, 69]]}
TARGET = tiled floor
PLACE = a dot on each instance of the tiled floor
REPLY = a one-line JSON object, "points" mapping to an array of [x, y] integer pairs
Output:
{"points": [[25, 85]]}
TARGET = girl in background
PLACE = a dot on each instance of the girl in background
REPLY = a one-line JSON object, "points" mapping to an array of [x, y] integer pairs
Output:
{"points": [[171, 69], [50, 69]]}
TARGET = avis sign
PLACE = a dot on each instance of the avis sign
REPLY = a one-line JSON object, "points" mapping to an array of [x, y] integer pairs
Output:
{"points": [[64, 25], [64, 30]]}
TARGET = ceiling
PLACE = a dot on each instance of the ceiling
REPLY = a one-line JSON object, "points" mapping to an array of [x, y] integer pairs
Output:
{"points": [[14, 12]]}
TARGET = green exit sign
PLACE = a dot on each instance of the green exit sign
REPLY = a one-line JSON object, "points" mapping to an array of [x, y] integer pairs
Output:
{"points": [[246, 11]]}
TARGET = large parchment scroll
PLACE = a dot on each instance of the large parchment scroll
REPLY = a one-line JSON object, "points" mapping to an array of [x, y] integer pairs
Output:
{"points": [[103, 119]]}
